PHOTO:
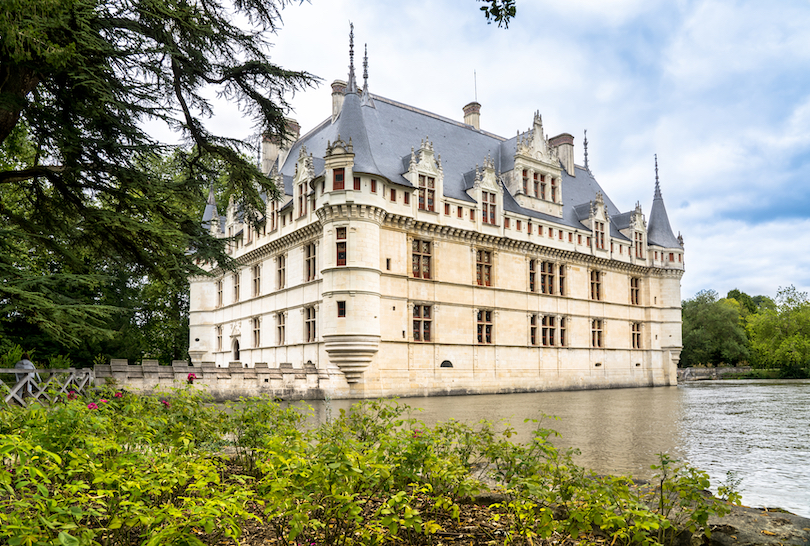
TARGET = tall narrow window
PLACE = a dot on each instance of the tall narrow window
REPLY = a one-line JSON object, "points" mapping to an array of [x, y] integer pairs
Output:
{"points": [[219, 338], [638, 244], [488, 207], [549, 331], [596, 333], [420, 258], [636, 335], [547, 275], [393, 195], [483, 267], [536, 186], [373, 186], [281, 328], [447, 209], [340, 235], [302, 199], [542, 186], [459, 211], [600, 235], [219, 293], [310, 334], [554, 190], [236, 278], [484, 322], [338, 182], [422, 322], [273, 215], [506, 223], [532, 276], [596, 285], [533, 329], [309, 262], [341, 309], [427, 192], [519, 225], [563, 339], [257, 332], [406, 198], [357, 183], [526, 181], [561, 280], [281, 271], [257, 280], [635, 291]]}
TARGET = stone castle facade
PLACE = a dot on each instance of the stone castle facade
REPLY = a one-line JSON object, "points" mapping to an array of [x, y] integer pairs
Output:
{"points": [[415, 255]]}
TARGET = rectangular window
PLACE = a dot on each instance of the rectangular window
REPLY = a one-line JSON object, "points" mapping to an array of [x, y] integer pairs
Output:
{"points": [[219, 338], [533, 329], [236, 278], [529, 227], [257, 280], [340, 235], [560, 234], [337, 179], [636, 335], [561, 280], [281, 271], [422, 322], [635, 291], [447, 209], [570, 237], [484, 327], [596, 285], [554, 190], [525, 182], [407, 197], [302, 199], [420, 258], [542, 186], [357, 183], [532, 276], [393, 195], [309, 262], [273, 215], [506, 222], [427, 192], [248, 234], [489, 207], [549, 332], [519, 225], [563, 339], [579, 239], [547, 277], [373, 186], [341, 309], [596, 333], [281, 330], [599, 228], [257, 332], [671, 256], [588, 241], [219, 293], [638, 244], [310, 333], [472, 214], [483, 267], [536, 186], [460, 211]]}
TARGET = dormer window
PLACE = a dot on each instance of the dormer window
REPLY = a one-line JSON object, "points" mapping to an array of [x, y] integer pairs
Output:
{"points": [[599, 228], [526, 181], [639, 245], [536, 185], [542, 186], [427, 192], [302, 199], [554, 190], [489, 206], [338, 179]]}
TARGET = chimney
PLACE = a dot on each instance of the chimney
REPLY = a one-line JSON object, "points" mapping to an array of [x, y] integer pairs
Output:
{"points": [[273, 148], [472, 115], [338, 93], [565, 150]]}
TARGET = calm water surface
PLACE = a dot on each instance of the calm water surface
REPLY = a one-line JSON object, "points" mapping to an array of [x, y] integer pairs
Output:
{"points": [[759, 430]]}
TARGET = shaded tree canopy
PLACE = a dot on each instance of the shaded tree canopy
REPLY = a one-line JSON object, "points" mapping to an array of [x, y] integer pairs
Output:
{"points": [[780, 335], [712, 331], [78, 79]]}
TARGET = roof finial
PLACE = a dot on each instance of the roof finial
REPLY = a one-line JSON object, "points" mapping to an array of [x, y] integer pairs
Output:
{"points": [[352, 85], [365, 68], [657, 185], [585, 144]]}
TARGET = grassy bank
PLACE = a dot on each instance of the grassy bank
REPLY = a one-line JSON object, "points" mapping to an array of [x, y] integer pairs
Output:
{"points": [[125, 469]]}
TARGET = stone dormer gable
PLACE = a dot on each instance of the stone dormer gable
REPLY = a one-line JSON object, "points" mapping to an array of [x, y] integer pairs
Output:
{"points": [[485, 188], [426, 174], [536, 179], [304, 168], [338, 147], [633, 226]]}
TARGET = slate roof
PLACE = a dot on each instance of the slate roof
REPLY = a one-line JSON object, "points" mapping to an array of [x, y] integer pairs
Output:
{"points": [[383, 132], [659, 231]]}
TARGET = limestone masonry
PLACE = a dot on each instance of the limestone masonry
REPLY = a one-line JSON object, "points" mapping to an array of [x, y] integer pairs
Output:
{"points": [[416, 255]]}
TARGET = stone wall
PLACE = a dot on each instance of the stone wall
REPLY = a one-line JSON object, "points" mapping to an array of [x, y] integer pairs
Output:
{"points": [[229, 383]]}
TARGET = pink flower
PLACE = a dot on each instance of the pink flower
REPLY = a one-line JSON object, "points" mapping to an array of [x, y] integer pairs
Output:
{"points": [[72, 395], [166, 403], [92, 405], [118, 395], [191, 378], [103, 400]]}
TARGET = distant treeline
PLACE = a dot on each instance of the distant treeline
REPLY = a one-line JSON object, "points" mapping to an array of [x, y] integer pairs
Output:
{"points": [[743, 329]]}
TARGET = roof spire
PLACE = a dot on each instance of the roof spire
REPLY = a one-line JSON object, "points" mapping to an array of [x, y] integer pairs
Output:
{"points": [[585, 144], [351, 87], [657, 185], [365, 67]]}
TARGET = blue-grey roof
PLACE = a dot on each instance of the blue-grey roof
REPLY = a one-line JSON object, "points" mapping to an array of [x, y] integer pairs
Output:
{"points": [[383, 132], [659, 231]]}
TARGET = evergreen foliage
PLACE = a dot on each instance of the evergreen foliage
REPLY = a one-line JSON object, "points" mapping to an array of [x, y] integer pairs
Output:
{"points": [[80, 201]]}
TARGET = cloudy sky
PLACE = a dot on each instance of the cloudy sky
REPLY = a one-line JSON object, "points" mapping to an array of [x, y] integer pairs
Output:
{"points": [[720, 90]]}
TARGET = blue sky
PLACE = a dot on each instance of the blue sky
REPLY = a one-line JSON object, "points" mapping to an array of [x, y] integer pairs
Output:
{"points": [[720, 90]]}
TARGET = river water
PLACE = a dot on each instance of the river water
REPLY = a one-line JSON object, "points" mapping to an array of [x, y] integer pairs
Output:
{"points": [[758, 430]]}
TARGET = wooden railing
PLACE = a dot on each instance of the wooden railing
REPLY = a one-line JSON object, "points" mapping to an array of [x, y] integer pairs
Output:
{"points": [[43, 386]]}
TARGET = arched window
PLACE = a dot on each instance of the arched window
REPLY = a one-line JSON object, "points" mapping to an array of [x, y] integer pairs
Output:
{"points": [[236, 350]]}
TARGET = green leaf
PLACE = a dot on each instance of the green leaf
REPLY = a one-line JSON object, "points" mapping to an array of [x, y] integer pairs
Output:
{"points": [[67, 540]]}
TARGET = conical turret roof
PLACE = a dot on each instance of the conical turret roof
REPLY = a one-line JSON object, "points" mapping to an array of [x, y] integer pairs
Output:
{"points": [[659, 232]]}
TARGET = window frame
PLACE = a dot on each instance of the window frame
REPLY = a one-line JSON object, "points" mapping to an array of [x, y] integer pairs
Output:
{"points": [[421, 254], [596, 285], [483, 267], [339, 179], [597, 333], [422, 317], [485, 326], [341, 247], [310, 324]]}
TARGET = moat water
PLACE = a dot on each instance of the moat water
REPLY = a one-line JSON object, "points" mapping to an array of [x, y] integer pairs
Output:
{"points": [[757, 430]]}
